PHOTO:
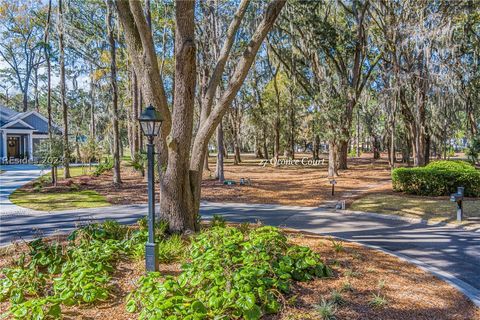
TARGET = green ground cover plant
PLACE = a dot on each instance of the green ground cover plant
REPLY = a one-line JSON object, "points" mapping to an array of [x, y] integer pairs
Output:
{"points": [[227, 272], [229, 275], [438, 178], [77, 273]]}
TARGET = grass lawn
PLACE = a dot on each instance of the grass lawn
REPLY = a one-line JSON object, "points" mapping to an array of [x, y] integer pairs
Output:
{"points": [[440, 209], [54, 201], [74, 171]]}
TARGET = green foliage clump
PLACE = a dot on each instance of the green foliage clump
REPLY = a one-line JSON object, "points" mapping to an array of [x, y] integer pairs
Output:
{"points": [[46, 256], [38, 308], [79, 273], [103, 167], [230, 274], [473, 151], [139, 162], [437, 179], [20, 282]]}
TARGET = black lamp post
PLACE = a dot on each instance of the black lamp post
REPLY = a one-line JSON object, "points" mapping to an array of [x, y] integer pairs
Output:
{"points": [[151, 121]]}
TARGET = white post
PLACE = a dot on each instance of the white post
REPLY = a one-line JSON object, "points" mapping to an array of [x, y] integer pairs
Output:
{"points": [[4, 144], [30, 147]]}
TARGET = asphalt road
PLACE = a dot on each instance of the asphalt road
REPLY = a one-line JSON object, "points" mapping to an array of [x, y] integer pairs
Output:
{"points": [[451, 253]]}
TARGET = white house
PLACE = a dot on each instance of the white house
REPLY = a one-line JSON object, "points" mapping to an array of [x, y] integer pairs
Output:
{"points": [[21, 133]]}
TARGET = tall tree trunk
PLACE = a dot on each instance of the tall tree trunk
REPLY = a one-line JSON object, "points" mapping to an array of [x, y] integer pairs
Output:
{"points": [[292, 131], [178, 198], [92, 105], [257, 151], [46, 40], [343, 155], [376, 147], [205, 163], [25, 98], [139, 111], [471, 117], [113, 84], [332, 159], [344, 142], [392, 151], [35, 89], [265, 145], [276, 125], [316, 147], [236, 139], [66, 147], [219, 170], [357, 138], [134, 114], [427, 147]]}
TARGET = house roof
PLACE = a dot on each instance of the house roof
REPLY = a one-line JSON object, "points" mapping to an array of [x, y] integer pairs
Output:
{"points": [[12, 119], [6, 114]]}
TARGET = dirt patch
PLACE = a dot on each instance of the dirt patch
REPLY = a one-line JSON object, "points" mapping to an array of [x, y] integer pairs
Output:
{"points": [[359, 274]]}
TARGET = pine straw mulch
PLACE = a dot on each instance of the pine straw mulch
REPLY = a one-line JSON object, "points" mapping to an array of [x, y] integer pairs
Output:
{"points": [[359, 273], [295, 185]]}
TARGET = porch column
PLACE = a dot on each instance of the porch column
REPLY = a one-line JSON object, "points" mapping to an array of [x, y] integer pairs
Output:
{"points": [[30, 146], [4, 145]]}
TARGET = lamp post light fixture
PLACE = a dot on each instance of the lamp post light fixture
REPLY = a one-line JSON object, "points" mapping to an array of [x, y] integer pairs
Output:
{"points": [[150, 122]]}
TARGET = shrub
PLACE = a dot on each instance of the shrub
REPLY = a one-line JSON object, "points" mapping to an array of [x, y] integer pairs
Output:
{"points": [[103, 167], [139, 162], [437, 179]]}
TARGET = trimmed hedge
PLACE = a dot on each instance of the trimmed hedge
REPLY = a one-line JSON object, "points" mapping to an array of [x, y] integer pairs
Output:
{"points": [[439, 178]]}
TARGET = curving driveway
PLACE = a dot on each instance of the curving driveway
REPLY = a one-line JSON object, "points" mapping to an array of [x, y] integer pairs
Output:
{"points": [[450, 253], [13, 177]]}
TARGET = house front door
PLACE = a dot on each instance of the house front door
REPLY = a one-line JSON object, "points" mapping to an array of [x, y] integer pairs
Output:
{"points": [[13, 147]]}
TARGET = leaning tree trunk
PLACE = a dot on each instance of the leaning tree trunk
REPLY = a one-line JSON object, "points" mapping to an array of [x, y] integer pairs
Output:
{"points": [[180, 183]]}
